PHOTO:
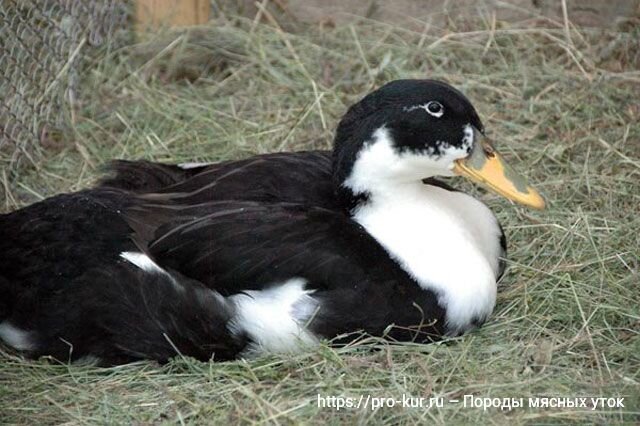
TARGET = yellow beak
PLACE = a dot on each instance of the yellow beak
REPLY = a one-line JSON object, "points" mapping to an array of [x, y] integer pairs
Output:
{"points": [[486, 167]]}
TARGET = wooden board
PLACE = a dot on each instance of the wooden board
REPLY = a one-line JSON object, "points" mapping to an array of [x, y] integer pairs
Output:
{"points": [[156, 14]]}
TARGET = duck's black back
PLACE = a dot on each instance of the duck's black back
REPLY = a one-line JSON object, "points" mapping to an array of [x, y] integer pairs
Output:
{"points": [[301, 177]]}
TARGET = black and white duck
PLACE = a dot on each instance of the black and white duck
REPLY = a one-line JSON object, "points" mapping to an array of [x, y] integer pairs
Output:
{"points": [[270, 253]]}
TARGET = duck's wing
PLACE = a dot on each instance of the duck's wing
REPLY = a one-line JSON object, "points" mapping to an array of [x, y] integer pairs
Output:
{"points": [[238, 247], [234, 246], [298, 177]]}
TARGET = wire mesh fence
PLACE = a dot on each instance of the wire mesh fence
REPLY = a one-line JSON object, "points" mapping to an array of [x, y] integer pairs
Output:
{"points": [[43, 45]]}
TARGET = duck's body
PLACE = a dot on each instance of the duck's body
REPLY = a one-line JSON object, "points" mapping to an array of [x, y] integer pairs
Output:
{"points": [[270, 253]]}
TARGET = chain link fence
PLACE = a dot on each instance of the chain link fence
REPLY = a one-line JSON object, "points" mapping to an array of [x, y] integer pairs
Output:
{"points": [[43, 46]]}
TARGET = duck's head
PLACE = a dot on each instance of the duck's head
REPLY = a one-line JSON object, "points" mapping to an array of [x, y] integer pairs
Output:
{"points": [[410, 130]]}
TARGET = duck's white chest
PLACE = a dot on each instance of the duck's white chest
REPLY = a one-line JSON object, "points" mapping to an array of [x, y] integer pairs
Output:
{"points": [[447, 241]]}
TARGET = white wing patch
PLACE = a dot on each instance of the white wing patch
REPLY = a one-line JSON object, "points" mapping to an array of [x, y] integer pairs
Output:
{"points": [[274, 319], [145, 263], [187, 166], [142, 261]]}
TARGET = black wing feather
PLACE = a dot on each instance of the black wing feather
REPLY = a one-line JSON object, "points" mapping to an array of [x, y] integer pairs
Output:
{"points": [[144, 176], [300, 177]]}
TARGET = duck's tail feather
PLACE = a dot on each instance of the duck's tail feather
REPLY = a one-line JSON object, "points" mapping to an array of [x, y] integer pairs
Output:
{"points": [[129, 312]]}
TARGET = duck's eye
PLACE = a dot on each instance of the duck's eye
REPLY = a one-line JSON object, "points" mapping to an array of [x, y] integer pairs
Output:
{"points": [[435, 108]]}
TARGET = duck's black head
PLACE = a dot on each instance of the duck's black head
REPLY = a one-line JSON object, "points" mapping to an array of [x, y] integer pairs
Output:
{"points": [[409, 130]]}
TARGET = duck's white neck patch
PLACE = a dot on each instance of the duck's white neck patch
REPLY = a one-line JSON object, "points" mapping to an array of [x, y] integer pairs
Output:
{"points": [[381, 167], [447, 241]]}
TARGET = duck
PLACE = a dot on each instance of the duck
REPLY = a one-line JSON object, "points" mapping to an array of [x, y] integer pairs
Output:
{"points": [[273, 253]]}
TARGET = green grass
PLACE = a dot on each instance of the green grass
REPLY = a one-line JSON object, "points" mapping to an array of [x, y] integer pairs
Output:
{"points": [[564, 112]]}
